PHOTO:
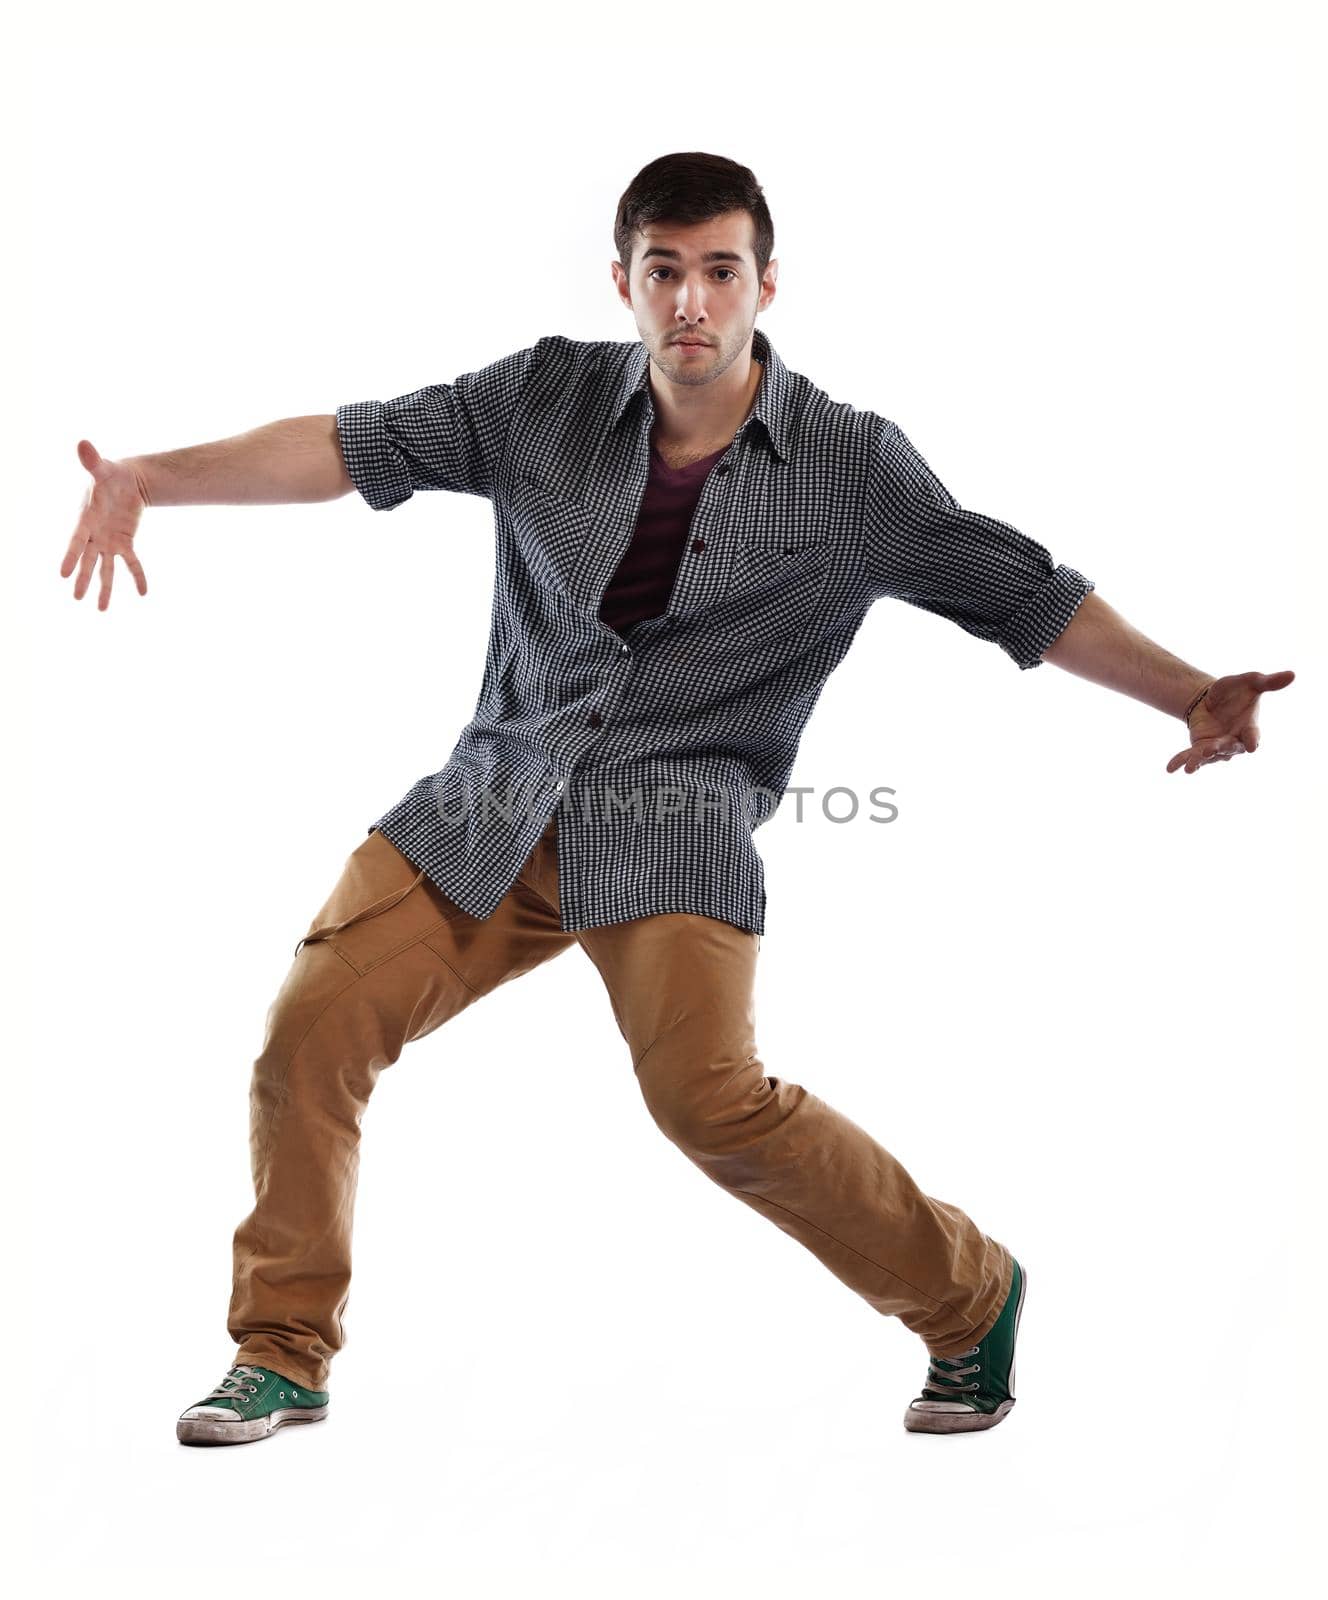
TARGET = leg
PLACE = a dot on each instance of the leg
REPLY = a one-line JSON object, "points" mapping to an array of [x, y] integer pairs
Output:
{"points": [[388, 959], [681, 987]]}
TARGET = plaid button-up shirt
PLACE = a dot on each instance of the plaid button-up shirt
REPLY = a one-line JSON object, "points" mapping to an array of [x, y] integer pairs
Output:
{"points": [[661, 749]]}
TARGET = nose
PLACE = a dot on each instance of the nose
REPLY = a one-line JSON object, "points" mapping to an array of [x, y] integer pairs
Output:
{"points": [[691, 305]]}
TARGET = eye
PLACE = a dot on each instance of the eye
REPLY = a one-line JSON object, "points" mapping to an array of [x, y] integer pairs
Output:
{"points": [[731, 273]]}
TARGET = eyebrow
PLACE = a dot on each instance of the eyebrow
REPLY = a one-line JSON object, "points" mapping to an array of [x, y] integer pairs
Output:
{"points": [[676, 255]]}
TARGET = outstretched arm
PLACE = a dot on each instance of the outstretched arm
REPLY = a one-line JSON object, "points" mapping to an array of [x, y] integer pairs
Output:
{"points": [[1099, 644], [443, 436], [295, 459]]}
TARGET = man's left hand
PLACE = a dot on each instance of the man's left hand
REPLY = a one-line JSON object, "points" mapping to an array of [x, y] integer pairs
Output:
{"points": [[1225, 722]]}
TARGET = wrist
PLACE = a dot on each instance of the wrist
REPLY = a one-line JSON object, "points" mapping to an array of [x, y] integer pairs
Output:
{"points": [[137, 465], [1196, 699]]}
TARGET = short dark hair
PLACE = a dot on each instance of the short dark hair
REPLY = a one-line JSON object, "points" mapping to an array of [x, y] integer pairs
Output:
{"points": [[692, 186]]}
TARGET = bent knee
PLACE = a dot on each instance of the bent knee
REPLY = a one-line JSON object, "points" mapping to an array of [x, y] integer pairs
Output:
{"points": [[702, 1086]]}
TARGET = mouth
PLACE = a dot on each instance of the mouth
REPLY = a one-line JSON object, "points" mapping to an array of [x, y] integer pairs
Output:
{"points": [[692, 344]]}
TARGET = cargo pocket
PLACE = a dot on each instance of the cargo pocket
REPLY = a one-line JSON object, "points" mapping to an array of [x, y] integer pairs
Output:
{"points": [[381, 906]]}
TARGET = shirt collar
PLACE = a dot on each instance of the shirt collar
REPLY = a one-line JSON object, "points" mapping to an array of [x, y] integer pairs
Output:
{"points": [[771, 405]]}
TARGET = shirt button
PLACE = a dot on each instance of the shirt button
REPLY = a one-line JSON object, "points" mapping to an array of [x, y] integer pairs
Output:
{"points": [[625, 650], [595, 719], [559, 784], [697, 546], [724, 466]]}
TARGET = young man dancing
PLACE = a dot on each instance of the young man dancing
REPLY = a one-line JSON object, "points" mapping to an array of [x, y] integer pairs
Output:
{"points": [[688, 537]]}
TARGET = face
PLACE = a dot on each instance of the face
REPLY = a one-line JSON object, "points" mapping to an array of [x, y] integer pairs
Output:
{"points": [[696, 283]]}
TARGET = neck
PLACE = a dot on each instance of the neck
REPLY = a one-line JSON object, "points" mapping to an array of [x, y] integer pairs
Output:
{"points": [[708, 414]]}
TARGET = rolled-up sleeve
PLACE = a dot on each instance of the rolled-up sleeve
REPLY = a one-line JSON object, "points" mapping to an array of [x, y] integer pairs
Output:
{"points": [[992, 580], [443, 436]]}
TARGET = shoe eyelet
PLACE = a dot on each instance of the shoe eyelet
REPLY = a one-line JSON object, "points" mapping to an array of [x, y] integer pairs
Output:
{"points": [[261, 1376], [281, 1395]]}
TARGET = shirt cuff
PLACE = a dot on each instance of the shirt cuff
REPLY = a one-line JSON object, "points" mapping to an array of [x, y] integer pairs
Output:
{"points": [[1034, 629], [375, 466]]}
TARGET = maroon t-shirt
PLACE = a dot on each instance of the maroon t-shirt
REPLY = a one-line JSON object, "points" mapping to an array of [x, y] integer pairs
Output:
{"points": [[643, 582]]}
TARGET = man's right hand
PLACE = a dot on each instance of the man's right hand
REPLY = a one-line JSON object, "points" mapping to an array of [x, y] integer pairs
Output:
{"points": [[114, 503]]}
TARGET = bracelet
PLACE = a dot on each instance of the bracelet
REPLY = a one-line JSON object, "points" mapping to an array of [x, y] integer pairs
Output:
{"points": [[1190, 708]]}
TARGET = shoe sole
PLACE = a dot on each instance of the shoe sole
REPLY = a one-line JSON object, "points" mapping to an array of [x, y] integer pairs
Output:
{"points": [[973, 1421], [199, 1430]]}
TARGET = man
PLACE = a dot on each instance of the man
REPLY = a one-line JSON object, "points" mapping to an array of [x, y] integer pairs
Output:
{"points": [[688, 537]]}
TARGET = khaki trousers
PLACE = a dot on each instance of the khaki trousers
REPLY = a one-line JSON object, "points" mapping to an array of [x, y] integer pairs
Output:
{"points": [[389, 958]]}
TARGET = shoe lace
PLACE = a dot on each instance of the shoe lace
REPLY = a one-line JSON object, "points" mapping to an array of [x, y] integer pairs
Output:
{"points": [[236, 1381], [944, 1372]]}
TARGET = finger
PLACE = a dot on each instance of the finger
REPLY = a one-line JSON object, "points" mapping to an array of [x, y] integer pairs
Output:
{"points": [[1274, 680], [1249, 737], [134, 565], [107, 573], [1225, 744], [87, 454], [76, 543], [85, 566], [1198, 755]]}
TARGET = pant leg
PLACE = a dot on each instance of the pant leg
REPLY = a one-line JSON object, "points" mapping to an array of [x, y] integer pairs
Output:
{"points": [[681, 987], [388, 959]]}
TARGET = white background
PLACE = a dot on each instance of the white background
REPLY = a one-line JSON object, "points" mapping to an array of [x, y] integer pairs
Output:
{"points": [[1077, 253]]}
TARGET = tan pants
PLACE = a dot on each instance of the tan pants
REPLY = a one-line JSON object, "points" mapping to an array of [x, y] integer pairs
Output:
{"points": [[389, 958]]}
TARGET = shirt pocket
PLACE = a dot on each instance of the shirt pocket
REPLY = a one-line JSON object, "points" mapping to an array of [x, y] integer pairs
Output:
{"points": [[550, 531], [774, 592]]}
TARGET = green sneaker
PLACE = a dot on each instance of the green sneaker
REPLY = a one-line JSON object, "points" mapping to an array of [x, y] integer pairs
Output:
{"points": [[983, 1376], [249, 1403]]}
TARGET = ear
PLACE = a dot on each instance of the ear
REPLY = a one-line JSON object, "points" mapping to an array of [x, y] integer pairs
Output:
{"points": [[768, 284]]}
